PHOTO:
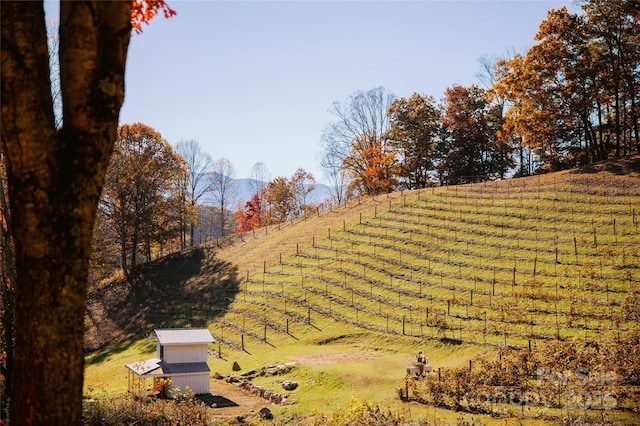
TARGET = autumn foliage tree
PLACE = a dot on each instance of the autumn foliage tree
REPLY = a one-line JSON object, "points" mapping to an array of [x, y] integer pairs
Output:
{"points": [[372, 166], [363, 113], [139, 201], [413, 134], [573, 98], [535, 85], [55, 176], [143, 11], [248, 217], [281, 199], [470, 149]]}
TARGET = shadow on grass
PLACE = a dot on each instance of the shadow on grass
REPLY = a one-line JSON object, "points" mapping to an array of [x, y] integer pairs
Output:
{"points": [[99, 357], [450, 341], [186, 289], [216, 401], [622, 166]]}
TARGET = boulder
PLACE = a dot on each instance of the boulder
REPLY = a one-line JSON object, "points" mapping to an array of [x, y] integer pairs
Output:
{"points": [[265, 413], [289, 385], [236, 366]]}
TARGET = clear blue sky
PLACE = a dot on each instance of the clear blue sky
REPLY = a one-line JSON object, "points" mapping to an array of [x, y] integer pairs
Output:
{"points": [[253, 81]]}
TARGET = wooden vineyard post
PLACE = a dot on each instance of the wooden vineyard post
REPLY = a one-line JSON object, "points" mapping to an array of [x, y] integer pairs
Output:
{"points": [[557, 323]]}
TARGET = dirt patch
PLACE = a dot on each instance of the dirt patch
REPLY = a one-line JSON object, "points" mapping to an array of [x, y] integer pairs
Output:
{"points": [[338, 358], [232, 401]]}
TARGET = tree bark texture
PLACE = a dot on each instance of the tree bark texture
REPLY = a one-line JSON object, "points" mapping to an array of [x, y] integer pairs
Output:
{"points": [[54, 179]]}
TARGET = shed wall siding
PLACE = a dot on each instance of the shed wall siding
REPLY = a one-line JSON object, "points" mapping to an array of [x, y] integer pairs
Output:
{"points": [[199, 383], [185, 353]]}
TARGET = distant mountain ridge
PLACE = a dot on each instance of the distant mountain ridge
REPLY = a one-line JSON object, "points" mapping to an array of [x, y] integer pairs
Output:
{"points": [[245, 188]]}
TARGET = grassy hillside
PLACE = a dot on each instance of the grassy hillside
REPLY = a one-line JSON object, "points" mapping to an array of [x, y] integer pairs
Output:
{"points": [[350, 295]]}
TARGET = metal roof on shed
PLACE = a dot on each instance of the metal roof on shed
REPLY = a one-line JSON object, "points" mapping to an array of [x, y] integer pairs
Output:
{"points": [[183, 336], [144, 367], [185, 368], [156, 368]]}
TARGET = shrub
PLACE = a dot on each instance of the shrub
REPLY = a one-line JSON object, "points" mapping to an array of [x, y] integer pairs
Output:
{"points": [[147, 411]]}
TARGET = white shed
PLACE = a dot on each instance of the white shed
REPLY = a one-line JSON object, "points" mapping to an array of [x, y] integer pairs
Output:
{"points": [[181, 357]]}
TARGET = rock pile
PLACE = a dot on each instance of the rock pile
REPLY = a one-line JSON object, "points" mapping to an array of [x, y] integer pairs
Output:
{"points": [[244, 382]]}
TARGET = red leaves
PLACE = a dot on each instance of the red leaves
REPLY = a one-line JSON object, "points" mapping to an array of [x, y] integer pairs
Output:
{"points": [[143, 11], [249, 216]]}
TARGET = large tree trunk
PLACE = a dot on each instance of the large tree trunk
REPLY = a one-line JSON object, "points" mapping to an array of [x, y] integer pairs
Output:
{"points": [[55, 179], [7, 290]]}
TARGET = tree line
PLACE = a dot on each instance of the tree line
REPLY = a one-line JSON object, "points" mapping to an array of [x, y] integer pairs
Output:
{"points": [[571, 99], [159, 199]]}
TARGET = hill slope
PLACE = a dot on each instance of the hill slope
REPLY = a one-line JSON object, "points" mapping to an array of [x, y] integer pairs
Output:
{"points": [[454, 270], [472, 237]]}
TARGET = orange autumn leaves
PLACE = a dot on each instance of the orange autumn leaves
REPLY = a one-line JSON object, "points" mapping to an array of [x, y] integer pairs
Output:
{"points": [[142, 11], [372, 166]]}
